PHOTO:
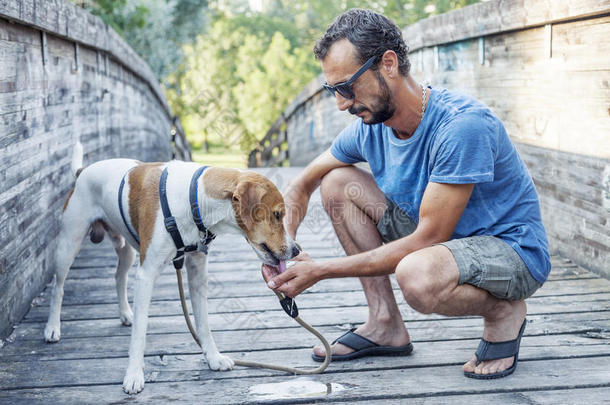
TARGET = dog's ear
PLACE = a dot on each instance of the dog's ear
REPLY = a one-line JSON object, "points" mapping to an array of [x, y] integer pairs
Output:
{"points": [[246, 197]]}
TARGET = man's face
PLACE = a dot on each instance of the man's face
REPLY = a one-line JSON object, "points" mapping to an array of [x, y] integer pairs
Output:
{"points": [[373, 99]]}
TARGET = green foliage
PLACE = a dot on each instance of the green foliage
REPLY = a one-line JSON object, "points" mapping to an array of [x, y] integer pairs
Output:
{"points": [[155, 29], [238, 78], [112, 12]]}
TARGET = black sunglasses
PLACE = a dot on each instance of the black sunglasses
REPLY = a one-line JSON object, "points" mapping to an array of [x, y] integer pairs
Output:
{"points": [[345, 88]]}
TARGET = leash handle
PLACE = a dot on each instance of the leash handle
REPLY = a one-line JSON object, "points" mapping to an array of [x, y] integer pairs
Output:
{"points": [[301, 322]]}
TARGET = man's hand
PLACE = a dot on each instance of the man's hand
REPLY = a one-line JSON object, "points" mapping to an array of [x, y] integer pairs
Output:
{"points": [[295, 279]]}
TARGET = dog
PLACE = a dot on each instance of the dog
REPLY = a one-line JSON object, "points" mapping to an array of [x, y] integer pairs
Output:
{"points": [[228, 200]]}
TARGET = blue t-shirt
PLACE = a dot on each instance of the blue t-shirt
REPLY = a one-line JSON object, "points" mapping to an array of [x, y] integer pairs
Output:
{"points": [[458, 141]]}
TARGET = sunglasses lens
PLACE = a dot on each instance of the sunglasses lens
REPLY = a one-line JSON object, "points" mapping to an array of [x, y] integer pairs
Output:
{"points": [[345, 90]]}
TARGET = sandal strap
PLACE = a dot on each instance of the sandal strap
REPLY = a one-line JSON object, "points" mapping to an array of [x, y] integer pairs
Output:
{"points": [[354, 341], [498, 350]]}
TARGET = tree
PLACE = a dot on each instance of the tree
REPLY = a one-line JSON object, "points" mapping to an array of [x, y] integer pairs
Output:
{"points": [[238, 78], [155, 29]]}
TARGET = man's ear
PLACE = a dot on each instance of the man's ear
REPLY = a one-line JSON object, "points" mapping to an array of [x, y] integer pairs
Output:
{"points": [[246, 197]]}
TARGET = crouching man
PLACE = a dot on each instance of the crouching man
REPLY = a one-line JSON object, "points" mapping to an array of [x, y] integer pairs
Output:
{"points": [[449, 206]]}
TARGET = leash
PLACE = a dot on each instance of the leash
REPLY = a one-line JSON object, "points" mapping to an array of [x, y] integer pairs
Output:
{"points": [[287, 303], [290, 308]]}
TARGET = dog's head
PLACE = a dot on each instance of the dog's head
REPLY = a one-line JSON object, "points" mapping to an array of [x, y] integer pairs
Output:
{"points": [[258, 208], [259, 211]]}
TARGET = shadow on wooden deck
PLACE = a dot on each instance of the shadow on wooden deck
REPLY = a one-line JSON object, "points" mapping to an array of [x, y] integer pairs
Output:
{"points": [[565, 353]]}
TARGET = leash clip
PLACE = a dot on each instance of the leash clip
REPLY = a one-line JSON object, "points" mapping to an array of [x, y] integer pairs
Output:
{"points": [[290, 307], [202, 246]]}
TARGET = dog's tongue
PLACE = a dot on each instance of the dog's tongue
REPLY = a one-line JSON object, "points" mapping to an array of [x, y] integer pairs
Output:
{"points": [[282, 266]]}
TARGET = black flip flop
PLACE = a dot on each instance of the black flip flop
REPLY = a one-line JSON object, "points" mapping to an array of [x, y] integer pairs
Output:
{"points": [[363, 347], [497, 350]]}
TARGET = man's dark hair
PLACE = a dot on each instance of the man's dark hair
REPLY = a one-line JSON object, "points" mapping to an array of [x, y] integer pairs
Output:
{"points": [[371, 34]]}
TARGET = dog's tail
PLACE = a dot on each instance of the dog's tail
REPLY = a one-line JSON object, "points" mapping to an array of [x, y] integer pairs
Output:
{"points": [[77, 159], [98, 227]]}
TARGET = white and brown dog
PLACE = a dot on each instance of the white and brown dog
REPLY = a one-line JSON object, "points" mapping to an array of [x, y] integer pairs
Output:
{"points": [[229, 201]]}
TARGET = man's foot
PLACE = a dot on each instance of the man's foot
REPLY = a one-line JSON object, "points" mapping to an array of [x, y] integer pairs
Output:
{"points": [[391, 334], [503, 326]]}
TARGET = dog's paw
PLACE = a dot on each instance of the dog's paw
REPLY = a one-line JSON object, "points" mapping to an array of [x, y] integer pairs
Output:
{"points": [[133, 381], [220, 362], [52, 333], [126, 317]]}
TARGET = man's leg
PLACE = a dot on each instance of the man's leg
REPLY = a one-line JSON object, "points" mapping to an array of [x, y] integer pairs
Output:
{"points": [[355, 205], [429, 279]]}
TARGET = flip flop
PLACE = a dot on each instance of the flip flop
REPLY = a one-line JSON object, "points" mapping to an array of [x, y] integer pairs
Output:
{"points": [[497, 350], [364, 347]]}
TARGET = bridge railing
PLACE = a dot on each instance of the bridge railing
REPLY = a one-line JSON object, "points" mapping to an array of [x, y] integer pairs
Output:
{"points": [[272, 150], [65, 77]]}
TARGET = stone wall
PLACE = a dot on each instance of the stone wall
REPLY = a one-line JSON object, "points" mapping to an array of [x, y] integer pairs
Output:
{"points": [[65, 77], [543, 68]]}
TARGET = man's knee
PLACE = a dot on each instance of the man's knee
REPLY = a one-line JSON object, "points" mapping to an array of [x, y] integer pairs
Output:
{"points": [[414, 275], [332, 188]]}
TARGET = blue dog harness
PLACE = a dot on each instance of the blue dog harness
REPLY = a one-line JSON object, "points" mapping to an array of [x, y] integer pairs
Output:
{"points": [[170, 222], [132, 232]]}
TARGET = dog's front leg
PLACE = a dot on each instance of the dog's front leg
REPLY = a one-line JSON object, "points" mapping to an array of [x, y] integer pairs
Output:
{"points": [[196, 266], [145, 279]]}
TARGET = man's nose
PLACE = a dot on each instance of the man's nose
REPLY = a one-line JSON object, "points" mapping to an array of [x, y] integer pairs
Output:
{"points": [[342, 102]]}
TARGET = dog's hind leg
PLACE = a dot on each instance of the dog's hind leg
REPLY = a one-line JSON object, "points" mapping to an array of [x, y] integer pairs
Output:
{"points": [[126, 254], [196, 266], [74, 228], [147, 273]]}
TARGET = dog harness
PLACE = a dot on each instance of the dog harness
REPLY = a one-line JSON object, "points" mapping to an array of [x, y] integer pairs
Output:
{"points": [[132, 232], [170, 222]]}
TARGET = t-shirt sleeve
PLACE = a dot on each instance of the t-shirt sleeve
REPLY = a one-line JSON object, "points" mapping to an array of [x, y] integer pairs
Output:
{"points": [[465, 152], [347, 146]]}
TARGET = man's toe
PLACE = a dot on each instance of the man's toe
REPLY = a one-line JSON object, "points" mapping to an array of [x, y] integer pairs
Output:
{"points": [[470, 365], [319, 351], [488, 369], [493, 367]]}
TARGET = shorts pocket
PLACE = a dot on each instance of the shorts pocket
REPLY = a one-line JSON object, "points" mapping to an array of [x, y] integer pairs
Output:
{"points": [[499, 287]]}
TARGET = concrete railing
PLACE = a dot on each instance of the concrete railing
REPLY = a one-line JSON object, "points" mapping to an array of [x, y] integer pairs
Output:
{"points": [[543, 68], [65, 77]]}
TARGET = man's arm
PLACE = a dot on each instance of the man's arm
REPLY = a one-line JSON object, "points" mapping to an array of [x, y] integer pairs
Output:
{"points": [[441, 208], [296, 196]]}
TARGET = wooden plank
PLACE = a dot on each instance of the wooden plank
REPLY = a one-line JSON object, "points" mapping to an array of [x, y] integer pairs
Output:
{"points": [[217, 305], [573, 396], [105, 266], [170, 335], [550, 375], [21, 374], [224, 285]]}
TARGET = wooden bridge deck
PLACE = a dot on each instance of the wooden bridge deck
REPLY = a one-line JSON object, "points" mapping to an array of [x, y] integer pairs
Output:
{"points": [[565, 353]]}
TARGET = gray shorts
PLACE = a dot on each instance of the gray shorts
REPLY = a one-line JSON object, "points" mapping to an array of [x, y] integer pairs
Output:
{"points": [[486, 262]]}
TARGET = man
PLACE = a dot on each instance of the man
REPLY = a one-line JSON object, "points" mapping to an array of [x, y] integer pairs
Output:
{"points": [[449, 207]]}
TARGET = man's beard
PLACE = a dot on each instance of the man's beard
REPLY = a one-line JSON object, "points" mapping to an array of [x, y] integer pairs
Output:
{"points": [[384, 108]]}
